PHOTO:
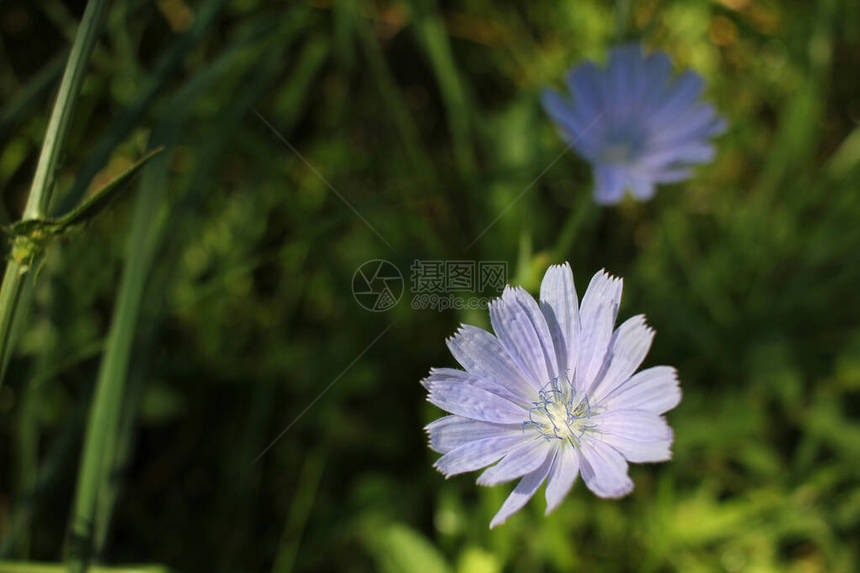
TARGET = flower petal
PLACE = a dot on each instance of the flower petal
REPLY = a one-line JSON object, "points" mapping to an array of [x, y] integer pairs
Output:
{"points": [[476, 455], [670, 175], [697, 122], [525, 458], [481, 353], [603, 469], [642, 189], [560, 307], [689, 153], [621, 78], [609, 183], [449, 432], [573, 125], [627, 349], [658, 67], [523, 492], [682, 94], [583, 83], [637, 435], [482, 382], [463, 399], [522, 330], [597, 316], [653, 390], [564, 470], [638, 77]]}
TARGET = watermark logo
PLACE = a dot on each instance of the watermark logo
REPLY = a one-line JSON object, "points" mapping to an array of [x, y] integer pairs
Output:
{"points": [[377, 285], [434, 284]]}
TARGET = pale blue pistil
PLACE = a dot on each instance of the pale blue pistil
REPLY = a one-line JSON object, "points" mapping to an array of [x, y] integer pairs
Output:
{"points": [[560, 414]]}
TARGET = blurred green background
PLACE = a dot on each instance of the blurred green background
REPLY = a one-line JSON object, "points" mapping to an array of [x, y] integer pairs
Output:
{"points": [[424, 117]]}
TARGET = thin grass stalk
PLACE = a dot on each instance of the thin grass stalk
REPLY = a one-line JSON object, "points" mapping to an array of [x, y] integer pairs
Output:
{"points": [[115, 461], [93, 498], [14, 279], [14, 284], [28, 458], [103, 421], [585, 212], [422, 165], [300, 510], [166, 133], [433, 38], [54, 459]]}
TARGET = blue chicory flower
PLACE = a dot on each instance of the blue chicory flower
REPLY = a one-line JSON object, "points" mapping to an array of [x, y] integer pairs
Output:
{"points": [[553, 394], [636, 124]]}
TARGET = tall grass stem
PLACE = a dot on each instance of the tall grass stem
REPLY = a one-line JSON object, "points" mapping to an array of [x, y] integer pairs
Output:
{"points": [[103, 423], [14, 279]]}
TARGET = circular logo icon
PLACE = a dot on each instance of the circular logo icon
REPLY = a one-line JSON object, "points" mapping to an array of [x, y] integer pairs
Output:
{"points": [[377, 285]]}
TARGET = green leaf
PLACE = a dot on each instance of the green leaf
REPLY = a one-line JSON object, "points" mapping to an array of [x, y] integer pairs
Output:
{"points": [[477, 560], [93, 206], [84, 212], [398, 548]]}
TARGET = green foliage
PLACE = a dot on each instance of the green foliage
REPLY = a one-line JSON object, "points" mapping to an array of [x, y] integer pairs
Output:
{"points": [[23, 567], [30, 237], [238, 320], [399, 548]]}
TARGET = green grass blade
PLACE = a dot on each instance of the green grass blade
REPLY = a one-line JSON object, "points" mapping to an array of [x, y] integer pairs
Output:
{"points": [[40, 191], [104, 416], [433, 38], [88, 209], [14, 284], [300, 511], [99, 201], [58, 126]]}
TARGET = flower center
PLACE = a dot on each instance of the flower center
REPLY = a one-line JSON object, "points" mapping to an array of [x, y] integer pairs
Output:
{"points": [[619, 152], [622, 145], [560, 414]]}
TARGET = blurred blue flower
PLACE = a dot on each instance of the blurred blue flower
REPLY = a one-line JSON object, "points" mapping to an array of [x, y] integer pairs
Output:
{"points": [[635, 123], [553, 394]]}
